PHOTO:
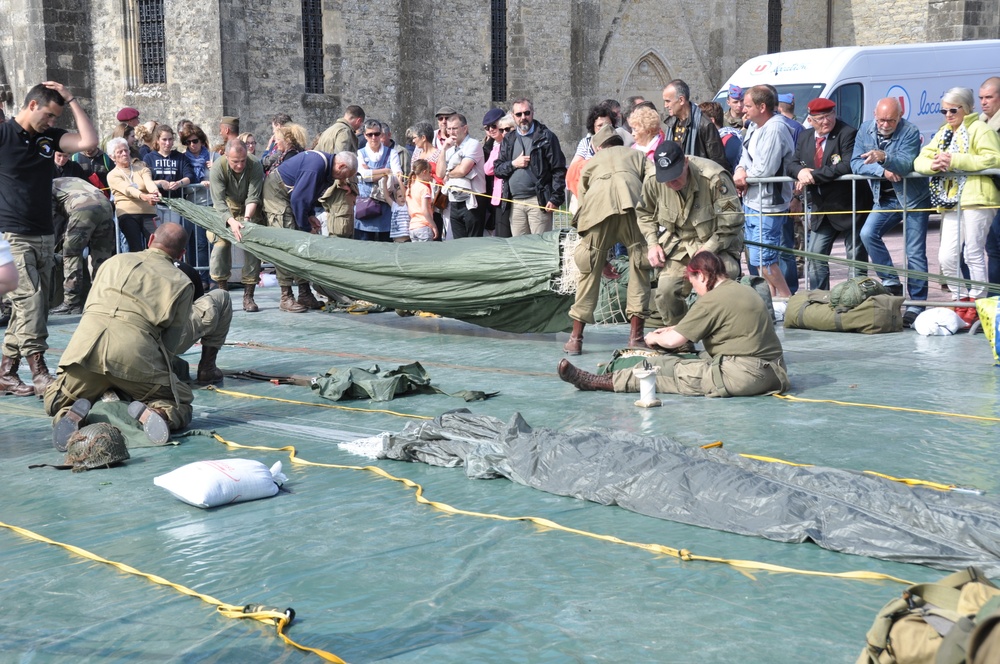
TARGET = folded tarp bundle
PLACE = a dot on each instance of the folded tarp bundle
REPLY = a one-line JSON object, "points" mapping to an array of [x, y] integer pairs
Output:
{"points": [[840, 510]]}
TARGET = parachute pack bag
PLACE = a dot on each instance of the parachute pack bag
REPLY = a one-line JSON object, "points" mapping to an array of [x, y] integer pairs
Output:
{"points": [[813, 311], [854, 291], [930, 623]]}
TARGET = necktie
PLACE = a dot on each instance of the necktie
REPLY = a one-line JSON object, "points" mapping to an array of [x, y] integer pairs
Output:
{"points": [[818, 160]]}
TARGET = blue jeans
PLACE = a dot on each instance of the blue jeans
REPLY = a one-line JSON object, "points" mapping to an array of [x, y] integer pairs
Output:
{"points": [[993, 254], [776, 230], [821, 242], [880, 223]]}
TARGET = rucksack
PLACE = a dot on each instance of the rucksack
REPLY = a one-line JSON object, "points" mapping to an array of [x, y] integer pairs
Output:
{"points": [[931, 622], [854, 291]]}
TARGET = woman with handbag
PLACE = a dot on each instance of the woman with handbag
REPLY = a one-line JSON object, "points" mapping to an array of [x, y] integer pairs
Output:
{"points": [[372, 215], [964, 143]]}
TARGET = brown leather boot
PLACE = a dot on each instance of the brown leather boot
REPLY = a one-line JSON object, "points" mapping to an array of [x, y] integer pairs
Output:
{"points": [[40, 375], [10, 382], [208, 372], [221, 285], [307, 299], [635, 336], [248, 303], [288, 302], [584, 381], [575, 344]]}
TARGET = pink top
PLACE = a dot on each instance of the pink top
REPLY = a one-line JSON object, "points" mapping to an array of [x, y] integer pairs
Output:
{"points": [[497, 182], [418, 203], [653, 144]]}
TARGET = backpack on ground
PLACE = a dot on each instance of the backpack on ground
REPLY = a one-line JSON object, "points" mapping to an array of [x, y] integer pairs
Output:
{"points": [[813, 310], [931, 623], [854, 291]]}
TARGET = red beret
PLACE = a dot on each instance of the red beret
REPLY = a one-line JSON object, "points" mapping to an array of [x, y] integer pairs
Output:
{"points": [[821, 105], [127, 113]]}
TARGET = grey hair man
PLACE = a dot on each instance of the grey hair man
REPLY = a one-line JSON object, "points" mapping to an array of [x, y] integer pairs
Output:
{"points": [[686, 126]]}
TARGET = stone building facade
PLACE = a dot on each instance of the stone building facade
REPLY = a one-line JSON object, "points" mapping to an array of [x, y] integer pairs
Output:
{"points": [[400, 59]]}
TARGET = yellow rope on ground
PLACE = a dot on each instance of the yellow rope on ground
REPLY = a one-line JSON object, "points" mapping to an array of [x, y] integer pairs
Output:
{"points": [[260, 613], [903, 409], [681, 554], [244, 395]]}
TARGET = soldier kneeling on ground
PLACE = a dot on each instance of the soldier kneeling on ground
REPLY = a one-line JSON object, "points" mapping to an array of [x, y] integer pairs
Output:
{"points": [[143, 311]]}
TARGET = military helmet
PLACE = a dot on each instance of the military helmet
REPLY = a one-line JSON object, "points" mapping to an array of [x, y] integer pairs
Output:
{"points": [[99, 445]]}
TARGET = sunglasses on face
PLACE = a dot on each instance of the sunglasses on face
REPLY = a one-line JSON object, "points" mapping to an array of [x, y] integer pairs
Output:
{"points": [[491, 126], [522, 114], [949, 111], [374, 133], [506, 129], [194, 141]]}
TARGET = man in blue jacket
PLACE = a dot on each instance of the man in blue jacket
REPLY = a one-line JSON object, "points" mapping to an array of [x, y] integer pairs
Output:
{"points": [[291, 194], [885, 148]]}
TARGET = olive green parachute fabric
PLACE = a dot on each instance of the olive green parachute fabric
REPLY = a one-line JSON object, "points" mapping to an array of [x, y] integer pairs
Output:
{"points": [[504, 284]]}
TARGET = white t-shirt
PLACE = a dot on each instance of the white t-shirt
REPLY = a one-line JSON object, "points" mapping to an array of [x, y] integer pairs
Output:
{"points": [[475, 179]]}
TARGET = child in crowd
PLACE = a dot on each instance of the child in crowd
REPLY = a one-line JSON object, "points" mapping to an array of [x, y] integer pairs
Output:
{"points": [[399, 228], [419, 202]]}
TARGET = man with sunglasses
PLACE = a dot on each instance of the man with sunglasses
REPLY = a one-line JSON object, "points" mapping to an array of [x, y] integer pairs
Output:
{"points": [[885, 148], [533, 168]]}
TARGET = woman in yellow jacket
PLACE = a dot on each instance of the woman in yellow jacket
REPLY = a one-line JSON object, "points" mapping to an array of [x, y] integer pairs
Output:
{"points": [[963, 144]]}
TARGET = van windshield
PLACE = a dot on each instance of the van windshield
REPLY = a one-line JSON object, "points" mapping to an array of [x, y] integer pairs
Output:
{"points": [[804, 93]]}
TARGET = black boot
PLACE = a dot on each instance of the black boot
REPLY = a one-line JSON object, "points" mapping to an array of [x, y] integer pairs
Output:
{"points": [[584, 381], [208, 372]]}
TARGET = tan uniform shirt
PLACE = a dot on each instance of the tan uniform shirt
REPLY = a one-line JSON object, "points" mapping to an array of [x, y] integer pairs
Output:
{"points": [[706, 214], [611, 183], [338, 137], [138, 311]]}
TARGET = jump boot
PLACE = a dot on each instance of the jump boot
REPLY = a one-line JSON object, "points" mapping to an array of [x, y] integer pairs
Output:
{"points": [[587, 382], [10, 382], [306, 297], [636, 338], [208, 372], [288, 302], [40, 375], [575, 344], [248, 303]]}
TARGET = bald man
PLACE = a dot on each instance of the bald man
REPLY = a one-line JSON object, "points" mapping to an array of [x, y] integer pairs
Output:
{"points": [[140, 315]]}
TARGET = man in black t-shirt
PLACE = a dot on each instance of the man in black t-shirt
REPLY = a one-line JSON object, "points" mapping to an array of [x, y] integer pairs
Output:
{"points": [[28, 142]]}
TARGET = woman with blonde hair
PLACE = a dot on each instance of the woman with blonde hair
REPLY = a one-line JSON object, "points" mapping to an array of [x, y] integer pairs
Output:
{"points": [[645, 123], [249, 141], [289, 140], [144, 138], [963, 144]]}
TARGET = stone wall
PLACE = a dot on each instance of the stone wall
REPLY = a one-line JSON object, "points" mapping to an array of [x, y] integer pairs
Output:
{"points": [[859, 23]]}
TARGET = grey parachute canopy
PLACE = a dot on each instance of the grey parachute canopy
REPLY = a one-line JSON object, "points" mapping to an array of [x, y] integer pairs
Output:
{"points": [[839, 510], [504, 284]]}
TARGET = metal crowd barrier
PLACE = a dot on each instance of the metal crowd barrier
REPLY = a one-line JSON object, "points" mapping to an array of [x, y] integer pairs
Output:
{"points": [[854, 179]]}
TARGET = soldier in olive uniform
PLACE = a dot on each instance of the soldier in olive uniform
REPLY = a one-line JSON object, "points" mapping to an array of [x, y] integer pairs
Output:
{"points": [[89, 223], [694, 202], [140, 315], [237, 183], [610, 185]]}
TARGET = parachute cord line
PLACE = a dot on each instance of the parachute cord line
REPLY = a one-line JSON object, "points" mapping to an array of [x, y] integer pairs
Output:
{"points": [[681, 554], [280, 619], [903, 409]]}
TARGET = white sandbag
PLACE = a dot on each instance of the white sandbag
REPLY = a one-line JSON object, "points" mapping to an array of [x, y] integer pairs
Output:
{"points": [[212, 483], [938, 322]]}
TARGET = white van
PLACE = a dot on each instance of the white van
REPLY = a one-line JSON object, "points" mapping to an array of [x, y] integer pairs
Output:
{"points": [[856, 77]]}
